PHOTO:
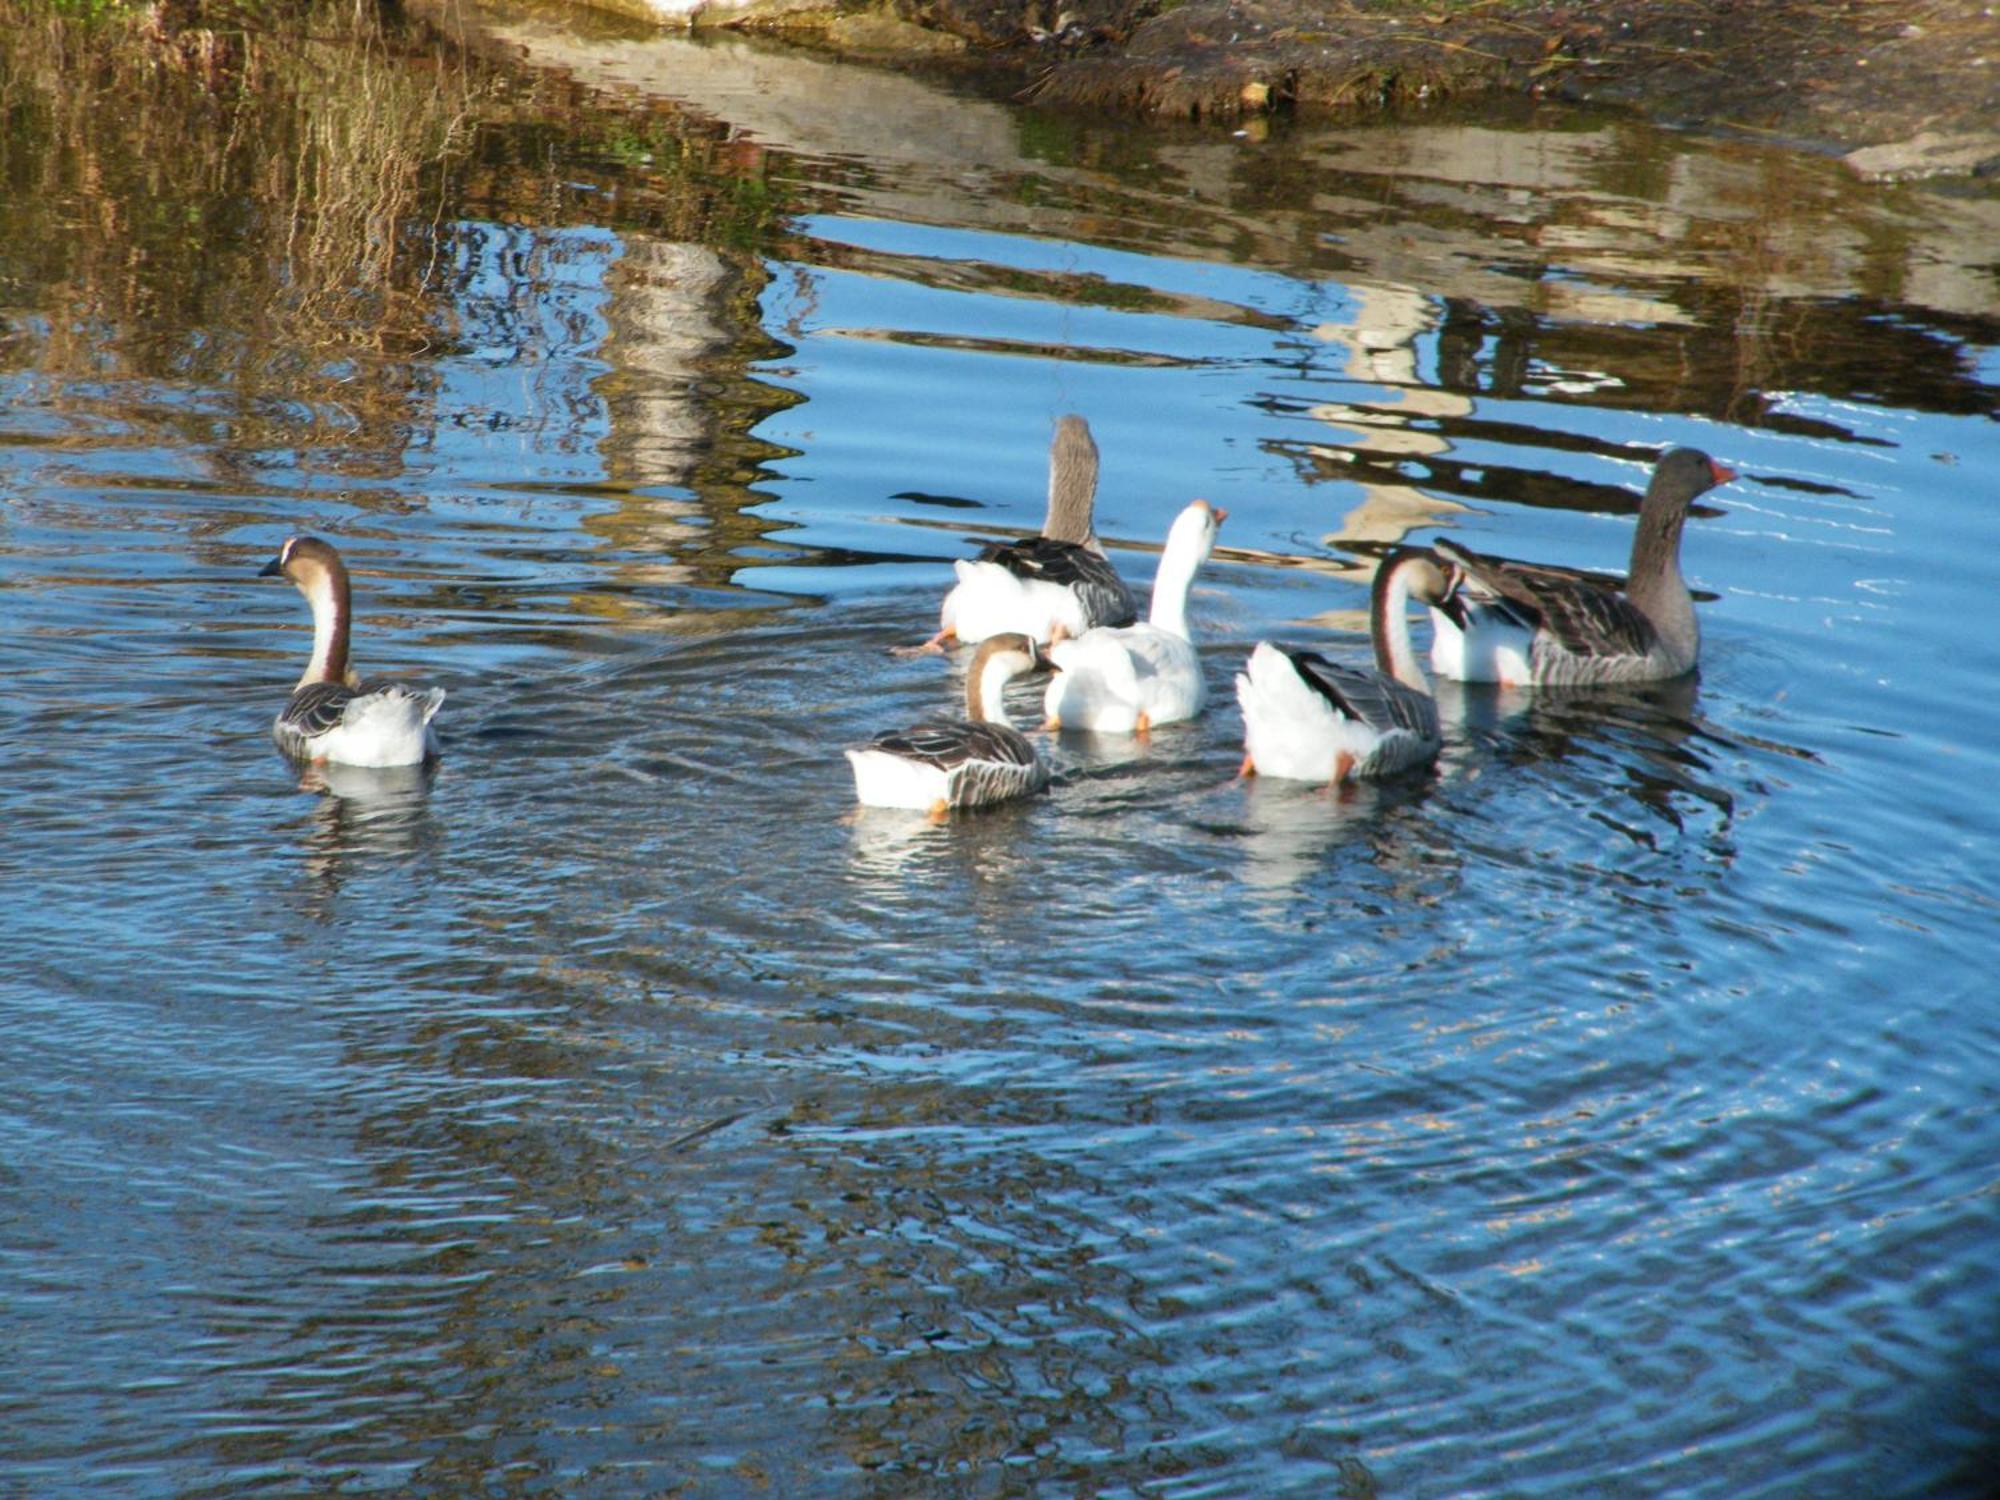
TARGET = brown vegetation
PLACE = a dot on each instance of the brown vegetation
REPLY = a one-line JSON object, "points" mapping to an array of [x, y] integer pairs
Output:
{"points": [[1841, 71]]}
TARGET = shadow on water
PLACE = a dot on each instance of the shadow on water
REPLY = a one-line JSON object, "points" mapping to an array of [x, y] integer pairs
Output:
{"points": [[616, 1108]]}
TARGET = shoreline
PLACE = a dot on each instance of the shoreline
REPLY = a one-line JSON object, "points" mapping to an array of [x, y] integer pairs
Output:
{"points": [[1904, 90]]}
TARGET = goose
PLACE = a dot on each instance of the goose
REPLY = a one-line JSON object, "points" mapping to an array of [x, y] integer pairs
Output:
{"points": [[1309, 719], [1521, 624], [332, 716], [1126, 679], [939, 765], [1060, 578]]}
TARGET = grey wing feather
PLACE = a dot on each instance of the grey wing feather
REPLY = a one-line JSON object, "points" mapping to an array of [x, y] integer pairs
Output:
{"points": [[1591, 621], [948, 743], [1583, 616], [1105, 598], [1369, 696], [316, 708], [983, 762]]}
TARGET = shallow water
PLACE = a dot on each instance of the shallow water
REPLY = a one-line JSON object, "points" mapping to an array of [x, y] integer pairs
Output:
{"points": [[616, 1112]]}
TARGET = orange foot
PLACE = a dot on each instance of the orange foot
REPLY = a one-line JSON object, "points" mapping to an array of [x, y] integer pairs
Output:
{"points": [[935, 646], [1248, 768]]}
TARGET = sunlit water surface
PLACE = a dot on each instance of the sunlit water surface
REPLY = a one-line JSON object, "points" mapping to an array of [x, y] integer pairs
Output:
{"points": [[614, 1112]]}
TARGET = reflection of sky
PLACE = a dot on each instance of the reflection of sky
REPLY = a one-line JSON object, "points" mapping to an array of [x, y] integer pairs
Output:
{"points": [[1186, 401], [516, 396], [1183, 423], [1267, 292], [1470, 1113]]}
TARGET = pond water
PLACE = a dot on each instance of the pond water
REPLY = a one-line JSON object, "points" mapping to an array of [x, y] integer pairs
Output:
{"points": [[615, 1112]]}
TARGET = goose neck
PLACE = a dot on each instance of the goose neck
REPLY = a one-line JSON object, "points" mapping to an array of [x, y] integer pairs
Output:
{"points": [[1072, 484], [1653, 582], [327, 593], [986, 683], [1175, 579], [1389, 616]]}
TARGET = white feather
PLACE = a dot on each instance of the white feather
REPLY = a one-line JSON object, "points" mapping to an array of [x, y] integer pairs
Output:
{"points": [[388, 727]]}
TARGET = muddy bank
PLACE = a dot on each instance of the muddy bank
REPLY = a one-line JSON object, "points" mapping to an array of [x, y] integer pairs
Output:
{"points": [[1839, 73]]}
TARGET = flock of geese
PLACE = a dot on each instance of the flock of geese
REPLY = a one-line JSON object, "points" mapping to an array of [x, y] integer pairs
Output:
{"points": [[1054, 603]]}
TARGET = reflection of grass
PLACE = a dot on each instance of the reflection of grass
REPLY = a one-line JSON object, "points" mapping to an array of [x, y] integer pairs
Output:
{"points": [[203, 199], [259, 199]]}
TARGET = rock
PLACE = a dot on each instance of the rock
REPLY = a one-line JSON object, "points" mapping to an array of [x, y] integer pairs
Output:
{"points": [[1927, 154]]}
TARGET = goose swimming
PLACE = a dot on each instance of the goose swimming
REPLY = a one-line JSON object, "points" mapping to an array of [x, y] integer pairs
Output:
{"points": [[332, 715], [1310, 719], [1126, 679], [1060, 579], [1522, 624], [943, 764]]}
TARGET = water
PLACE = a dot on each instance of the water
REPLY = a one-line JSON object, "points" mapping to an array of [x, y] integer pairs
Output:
{"points": [[615, 1112]]}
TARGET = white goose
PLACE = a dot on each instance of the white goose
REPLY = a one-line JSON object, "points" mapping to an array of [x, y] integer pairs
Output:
{"points": [[1309, 719], [1126, 679], [1520, 624], [332, 716], [938, 765], [1060, 579]]}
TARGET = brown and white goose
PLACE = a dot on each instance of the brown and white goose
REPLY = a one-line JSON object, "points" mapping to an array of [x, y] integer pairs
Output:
{"points": [[1060, 578], [1521, 624], [332, 715], [1309, 719], [943, 764]]}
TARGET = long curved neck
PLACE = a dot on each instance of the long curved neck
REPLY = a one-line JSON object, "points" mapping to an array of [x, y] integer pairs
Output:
{"points": [[327, 592], [1654, 581], [1171, 585], [985, 690], [1389, 625], [1072, 485]]}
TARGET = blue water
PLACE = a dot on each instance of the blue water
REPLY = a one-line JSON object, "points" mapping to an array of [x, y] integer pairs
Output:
{"points": [[615, 1111]]}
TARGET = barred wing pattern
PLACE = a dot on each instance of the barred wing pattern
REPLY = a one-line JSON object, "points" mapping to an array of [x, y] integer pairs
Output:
{"points": [[982, 762], [314, 709], [375, 724], [1577, 614]]}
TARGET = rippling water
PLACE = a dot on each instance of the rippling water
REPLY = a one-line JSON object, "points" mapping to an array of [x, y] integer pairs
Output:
{"points": [[615, 1111]]}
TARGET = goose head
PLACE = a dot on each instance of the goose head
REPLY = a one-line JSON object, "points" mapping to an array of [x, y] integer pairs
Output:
{"points": [[316, 570], [312, 565], [1193, 533]]}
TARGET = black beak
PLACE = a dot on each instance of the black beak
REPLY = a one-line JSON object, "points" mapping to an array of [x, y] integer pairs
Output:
{"points": [[272, 568]]}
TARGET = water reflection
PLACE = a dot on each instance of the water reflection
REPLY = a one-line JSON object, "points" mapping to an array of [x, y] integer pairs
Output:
{"points": [[1289, 830], [964, 857], [362, 815], [609, 1107]]}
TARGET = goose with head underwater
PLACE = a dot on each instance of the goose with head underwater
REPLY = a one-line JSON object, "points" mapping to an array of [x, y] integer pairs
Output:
{"points": [[1127, 679], [332, 716], [1309, 719], [1058, 580], [1523, 624], [943, 764]]}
